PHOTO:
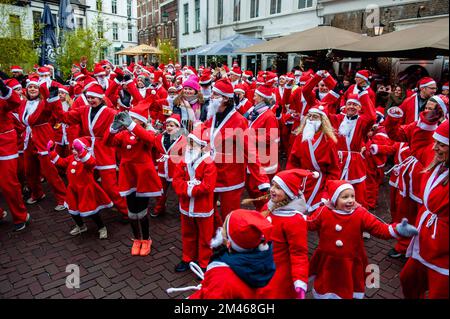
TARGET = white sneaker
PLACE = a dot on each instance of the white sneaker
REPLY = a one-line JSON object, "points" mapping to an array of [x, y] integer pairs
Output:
{"points": [[31, 200], [59, 208], [78, 230], [102, 233], [366, 235]]}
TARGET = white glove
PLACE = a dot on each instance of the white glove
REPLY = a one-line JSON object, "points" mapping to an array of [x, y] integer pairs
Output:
{"points": [[194, 182], [395, 112]]}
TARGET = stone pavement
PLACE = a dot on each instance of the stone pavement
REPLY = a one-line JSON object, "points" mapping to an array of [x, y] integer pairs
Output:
{"points": [[33, 262]]}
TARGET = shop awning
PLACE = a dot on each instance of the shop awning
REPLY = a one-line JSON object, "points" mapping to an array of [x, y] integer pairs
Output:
{"points": [[315, 39], [227, 46], [141, 49]]}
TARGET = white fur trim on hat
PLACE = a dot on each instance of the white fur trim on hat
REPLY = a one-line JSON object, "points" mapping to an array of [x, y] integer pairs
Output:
{"points": [[318, 110], [263, 95], [359, 75], [441, 103], [197, 140], [445, 87], [239, 91], [339, 190], [427, 84], [230, 95], [171, 119], [32, 83], [138, 116], [100, 96], [440, 138], [17, 70], [284, 187], [354, 101]]}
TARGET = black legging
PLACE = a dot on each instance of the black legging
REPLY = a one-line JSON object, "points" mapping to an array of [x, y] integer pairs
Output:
{"points": [[137, 205], [96, 218]]}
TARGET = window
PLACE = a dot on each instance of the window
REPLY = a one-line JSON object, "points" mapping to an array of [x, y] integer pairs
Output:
{"points": [[197, 15], [186, 18], [114, 6], [129, 8], [100, 29], [115, 29], [103, 53], [80, 23], [219, 11], [275, 6], [237, 10], [99, 5], [130, 32], [116, 56], [254, 8], [302, 4], [15, 26]]}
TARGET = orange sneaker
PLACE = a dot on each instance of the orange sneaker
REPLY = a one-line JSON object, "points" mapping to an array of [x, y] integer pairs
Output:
{"points": [[136, 248], [146, 247]]}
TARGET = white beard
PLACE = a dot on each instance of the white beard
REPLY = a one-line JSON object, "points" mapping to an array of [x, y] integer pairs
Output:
{"points": [[143, 91], [102, 82], [213, 107], [310, 130], [346, 127], [217, 240], [191, 155]]}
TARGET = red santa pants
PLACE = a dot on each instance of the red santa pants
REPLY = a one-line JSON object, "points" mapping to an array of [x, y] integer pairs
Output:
{"points": [[229, 201], [373, 187], [37, 165], [407, 208], [160, 206], [417, 278], [196, 234], [12, 190], [109, 185]]}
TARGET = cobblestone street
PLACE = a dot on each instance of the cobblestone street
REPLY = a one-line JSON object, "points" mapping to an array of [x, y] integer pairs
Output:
{"points": [[33, 262]]}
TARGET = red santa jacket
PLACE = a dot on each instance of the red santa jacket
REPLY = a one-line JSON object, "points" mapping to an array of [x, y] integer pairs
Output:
{"points": [[231, 167], [318, 155], [401, 153], [8, 135], [244, 106], [222, 283], [419, 136], [290, 253], [309, 94], [196, 199], [430, 246], [168, 158], [249, 90], [264, 130], [96, 129], [350, 146], [378, 147], [410, 108]]}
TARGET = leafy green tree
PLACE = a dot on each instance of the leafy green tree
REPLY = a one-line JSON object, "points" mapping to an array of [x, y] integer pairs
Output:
{"points": [[169, 52]]}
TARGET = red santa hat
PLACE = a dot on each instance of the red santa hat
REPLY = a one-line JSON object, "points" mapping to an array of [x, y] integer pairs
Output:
{"points": [[62, 88], [178, 74], [43, 70], [335, 188], [161, 67], [170, 63], [78, 76], [104, 63], [206, 77], [199, 135], [247, 230], [226, 68], [13, 84], [95, 90], [174, 118], [177, 65], [298, 73], [88, 82], [265, 91], [445, 86], [304, 78], [239, 88], [224, 87], [318, 109], [140, 112], [442, 101], [363, 74], [293, 181], [192, 69], [236, 71], [270, 78], [16, 68], [99, 70], [353, 98], [247, 74], [441, 133], [290, 76], [157, 76], [426, 81], [33, 80]]}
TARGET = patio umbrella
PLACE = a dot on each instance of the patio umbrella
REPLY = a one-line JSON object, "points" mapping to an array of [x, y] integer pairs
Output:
{"points": [[227, 46], [48, 38], [315, 39], [140, 50]]}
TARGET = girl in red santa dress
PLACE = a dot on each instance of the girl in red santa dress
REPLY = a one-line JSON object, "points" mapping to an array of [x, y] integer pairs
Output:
{"points": [[138, 180], [84, 197], [427, 267], [338, 265], [285, 210], [170, 146], [315, 149], [194, 181]]}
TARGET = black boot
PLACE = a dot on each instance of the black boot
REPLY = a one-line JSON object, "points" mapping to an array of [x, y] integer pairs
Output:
{"points": [[182, 267]]}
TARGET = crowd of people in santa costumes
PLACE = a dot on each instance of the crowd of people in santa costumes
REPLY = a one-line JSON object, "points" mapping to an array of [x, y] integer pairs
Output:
{"points": [[310, 152]]}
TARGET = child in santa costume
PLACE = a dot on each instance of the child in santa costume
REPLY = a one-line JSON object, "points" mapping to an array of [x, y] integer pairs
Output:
{"points": [[189, 103], [243, 260], [170, 146], [84, 197], [194, 180], [286, 210], [427, 267], [315, 149], [10, 186], [338, 265], [138, 180]]}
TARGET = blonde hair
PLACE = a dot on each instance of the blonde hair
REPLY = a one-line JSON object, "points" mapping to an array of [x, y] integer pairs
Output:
{"points": [[266, 212], [178, 99], [325, 127], [433, 165]]}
